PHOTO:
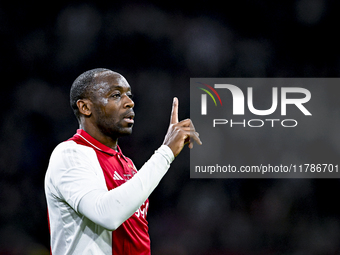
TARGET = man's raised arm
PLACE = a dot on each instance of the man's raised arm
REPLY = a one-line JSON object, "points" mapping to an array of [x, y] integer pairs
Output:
{"points": [[111, 208]]}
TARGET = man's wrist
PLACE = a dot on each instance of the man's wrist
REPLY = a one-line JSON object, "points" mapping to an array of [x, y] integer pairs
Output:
{"points": [[166, 152]]}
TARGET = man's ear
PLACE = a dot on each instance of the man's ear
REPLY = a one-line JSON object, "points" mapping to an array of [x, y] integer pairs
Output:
{"points": [[84, 106]]}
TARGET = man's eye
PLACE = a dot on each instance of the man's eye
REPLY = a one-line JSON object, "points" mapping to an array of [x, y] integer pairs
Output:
{"points": [[130, 95], [115, 95]]}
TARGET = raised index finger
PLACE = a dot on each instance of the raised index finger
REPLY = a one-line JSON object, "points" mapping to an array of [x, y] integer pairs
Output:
{"points": [[174, 112]]}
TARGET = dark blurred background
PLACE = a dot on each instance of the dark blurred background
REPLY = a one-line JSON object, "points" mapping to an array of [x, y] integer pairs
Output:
{"points": [[158, 46]]}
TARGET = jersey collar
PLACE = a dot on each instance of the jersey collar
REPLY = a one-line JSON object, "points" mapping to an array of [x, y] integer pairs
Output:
{"points": [[90, 141]]}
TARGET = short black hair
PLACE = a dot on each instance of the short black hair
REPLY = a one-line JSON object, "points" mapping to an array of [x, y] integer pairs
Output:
{"points": [[81, 87]]}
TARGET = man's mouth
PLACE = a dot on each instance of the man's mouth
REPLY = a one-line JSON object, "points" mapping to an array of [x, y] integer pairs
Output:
{"points": [[129, 118]]}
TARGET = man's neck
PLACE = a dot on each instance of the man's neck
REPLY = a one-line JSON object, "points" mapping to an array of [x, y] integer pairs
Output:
{"points": [[99, 136]]}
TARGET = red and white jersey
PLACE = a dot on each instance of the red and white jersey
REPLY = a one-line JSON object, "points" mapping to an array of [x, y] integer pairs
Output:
{"points": [[82, 165]]}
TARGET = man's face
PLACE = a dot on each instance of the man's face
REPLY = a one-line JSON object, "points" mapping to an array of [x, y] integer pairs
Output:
{"points": [[113, 107]]}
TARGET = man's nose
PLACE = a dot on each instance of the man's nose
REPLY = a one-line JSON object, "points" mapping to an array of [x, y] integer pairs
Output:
{"points": [[128, 102]]}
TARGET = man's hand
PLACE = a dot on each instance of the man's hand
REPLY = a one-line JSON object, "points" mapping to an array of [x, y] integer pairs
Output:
{"points": [[179, 133]]}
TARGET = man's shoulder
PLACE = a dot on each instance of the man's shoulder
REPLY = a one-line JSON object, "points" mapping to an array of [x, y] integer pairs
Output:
{"points": [[70, 146], [69, 154]]}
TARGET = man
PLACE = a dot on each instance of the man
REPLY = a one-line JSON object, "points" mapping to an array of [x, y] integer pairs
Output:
{"points": [[97, 201]]}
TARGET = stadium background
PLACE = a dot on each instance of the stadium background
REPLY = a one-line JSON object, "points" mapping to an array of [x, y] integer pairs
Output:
{"points": [[158, 46]]}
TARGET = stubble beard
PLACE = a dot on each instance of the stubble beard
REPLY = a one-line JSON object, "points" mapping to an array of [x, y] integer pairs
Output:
{"points": [[111, 128]]}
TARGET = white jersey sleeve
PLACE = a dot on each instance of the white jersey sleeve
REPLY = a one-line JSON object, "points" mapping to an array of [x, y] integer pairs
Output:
{"points": [[73, 171]]}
